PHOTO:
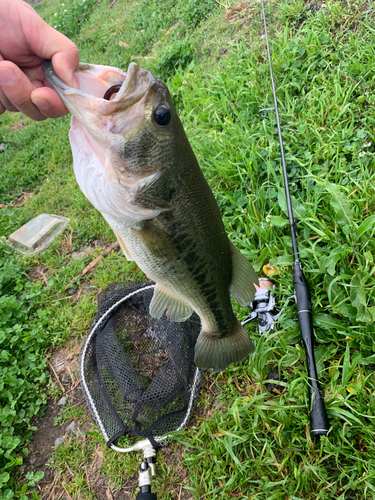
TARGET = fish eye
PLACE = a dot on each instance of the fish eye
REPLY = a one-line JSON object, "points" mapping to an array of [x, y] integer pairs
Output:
{"points": [[162, 116]]}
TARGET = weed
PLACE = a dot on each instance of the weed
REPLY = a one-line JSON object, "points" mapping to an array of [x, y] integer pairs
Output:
{"points": [[69, 413], [70, 20], [23, 374], [177, 56]]}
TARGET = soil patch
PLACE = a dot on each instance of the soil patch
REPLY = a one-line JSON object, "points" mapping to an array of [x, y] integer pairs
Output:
{"points": [[64, 367], [42, 446], [103, 490]]}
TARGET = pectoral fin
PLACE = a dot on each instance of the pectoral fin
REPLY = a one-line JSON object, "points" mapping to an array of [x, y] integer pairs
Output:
{"points": [[158, 242], [123, 247], [243, 278], [163, 301]]}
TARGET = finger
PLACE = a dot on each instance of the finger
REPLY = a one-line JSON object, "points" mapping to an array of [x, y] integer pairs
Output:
{"points": [[7, 105], [50, 44], [3, 101], [17, 89], [35, 73], [2, 97], [66, 65], [48, 102]]}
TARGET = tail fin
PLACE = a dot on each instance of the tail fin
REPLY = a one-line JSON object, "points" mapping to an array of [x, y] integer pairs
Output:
{"points": [[215, 353]]}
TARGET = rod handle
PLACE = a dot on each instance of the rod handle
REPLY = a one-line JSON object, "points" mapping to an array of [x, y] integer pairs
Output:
{"points": [[318, 415], [146, 496]]}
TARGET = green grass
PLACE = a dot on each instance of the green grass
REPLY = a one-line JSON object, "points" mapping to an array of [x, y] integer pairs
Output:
{"points": [[215, 62], [22, 364]]}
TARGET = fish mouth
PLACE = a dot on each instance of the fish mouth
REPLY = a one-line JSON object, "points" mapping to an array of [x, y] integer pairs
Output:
{"points": [[95, 82]]}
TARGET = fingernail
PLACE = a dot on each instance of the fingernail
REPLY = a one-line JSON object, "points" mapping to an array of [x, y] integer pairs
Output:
{"points": [[40, 102], [7, 76]]}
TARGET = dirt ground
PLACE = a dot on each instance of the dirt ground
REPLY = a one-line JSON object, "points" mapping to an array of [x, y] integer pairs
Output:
{"points": [[64, 369]]}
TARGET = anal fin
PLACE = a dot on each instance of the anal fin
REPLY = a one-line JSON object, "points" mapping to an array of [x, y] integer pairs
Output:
{"points": [[163, 301], [243, 278], [124, 248]]}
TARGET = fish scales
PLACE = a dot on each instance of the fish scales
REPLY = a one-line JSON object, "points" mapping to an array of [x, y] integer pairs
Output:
{"points": [[135, 164]]}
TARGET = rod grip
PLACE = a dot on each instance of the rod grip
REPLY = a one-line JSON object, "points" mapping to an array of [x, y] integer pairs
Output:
{"points": [[318, 415], [146, 496]]}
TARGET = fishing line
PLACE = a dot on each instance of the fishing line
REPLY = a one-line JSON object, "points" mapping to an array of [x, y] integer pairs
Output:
{"points": [[285, 173], [318, 415]]}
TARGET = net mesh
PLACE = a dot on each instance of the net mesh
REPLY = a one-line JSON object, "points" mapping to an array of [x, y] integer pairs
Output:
{"points": [[138, 372]]}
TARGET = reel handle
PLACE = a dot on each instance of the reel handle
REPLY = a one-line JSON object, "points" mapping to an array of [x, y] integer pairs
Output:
{"points": [[318, 415]]}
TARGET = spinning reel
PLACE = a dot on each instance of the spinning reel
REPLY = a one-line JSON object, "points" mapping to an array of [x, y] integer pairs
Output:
{"points": [[263, 307]]}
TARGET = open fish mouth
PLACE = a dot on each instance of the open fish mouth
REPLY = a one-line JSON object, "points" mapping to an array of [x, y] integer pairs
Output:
{"points": [[102, 89], [94, 80]]}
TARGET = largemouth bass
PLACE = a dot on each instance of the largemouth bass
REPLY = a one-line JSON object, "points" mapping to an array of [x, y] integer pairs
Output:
{"points": [[134, 163]]}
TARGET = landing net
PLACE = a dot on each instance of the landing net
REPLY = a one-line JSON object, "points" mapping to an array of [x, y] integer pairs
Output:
{"points": [[138, 372]]}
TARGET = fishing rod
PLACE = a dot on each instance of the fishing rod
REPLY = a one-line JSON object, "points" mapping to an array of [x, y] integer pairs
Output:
{"points": [[318, 415]]}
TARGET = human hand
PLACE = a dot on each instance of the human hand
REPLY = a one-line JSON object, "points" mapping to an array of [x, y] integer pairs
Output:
{"points": [[26, 41]]}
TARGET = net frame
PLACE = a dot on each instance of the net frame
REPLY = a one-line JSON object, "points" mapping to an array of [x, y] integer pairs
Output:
{"points": [[100, 322]]}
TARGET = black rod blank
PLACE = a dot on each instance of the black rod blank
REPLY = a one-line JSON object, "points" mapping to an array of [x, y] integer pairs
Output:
{"points": [[318, 415]]}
